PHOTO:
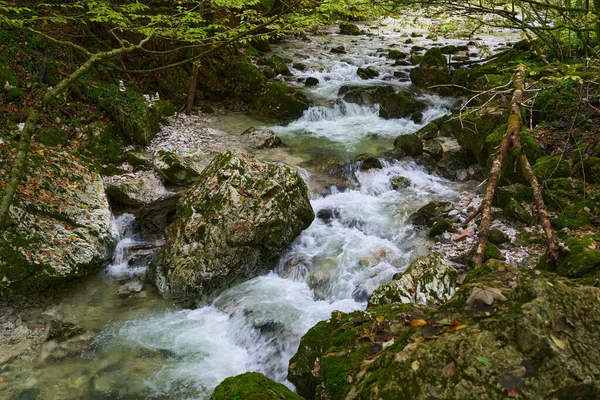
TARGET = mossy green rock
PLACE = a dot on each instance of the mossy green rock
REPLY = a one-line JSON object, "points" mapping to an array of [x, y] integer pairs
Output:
{"points": [[427, 281], [428, 77], [516, 191], [181, 168], [252, 386], [280, 103], [581, 260], [441, 226], [454, 164], [431, 213], [434, 58], [408, 145], [399, 182], [396, 55], [367, 73], [583, 213], [515, 211], [60, 223], [552, 167], [434, 149], [524, 346], [231, 225], [279, 66], [492, 252], [14, 95], [8, 75], [429, 131], [52, 137], [347, 28], [399, 105], [497, 237], [365, 96]]}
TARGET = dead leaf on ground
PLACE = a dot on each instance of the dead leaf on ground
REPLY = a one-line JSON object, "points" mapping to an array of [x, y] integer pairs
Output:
{"points": [[456, 326], [561, 344], [486, 295], [415, 365], [418, 322], [448, 370], [512, 393]]}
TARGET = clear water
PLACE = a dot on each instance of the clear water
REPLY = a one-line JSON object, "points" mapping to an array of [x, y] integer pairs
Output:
{"points": [[146, 348]]}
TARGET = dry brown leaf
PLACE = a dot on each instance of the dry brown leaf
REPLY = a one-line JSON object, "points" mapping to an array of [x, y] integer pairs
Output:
{"points": [[292, 365], [418, 322], [415, 365], [561, 344], [512, 393], [448, 370], [486, 295]]}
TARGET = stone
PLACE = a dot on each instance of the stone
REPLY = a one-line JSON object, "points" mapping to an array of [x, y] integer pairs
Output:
{"points": [[64, 339], [181, 168], [261, 138], [497, 237], [311, 81], [338, 50], [463, 235], [408, 145], [400, 182], [279, 66], [14, 95], [400, 105], [252, 386], [441, 226], [516, 191], [347, 28], [427, 281], [279, 102], [139, 158], [429, 77], [367, 73], [157, 215], [434, 58], [368, 162], [61, 223], [551, 167], [130, 289], [515, 211], [434, 148], [580, 261], [328, 214], [431, 213], [396, 55], [231, 225], [326, 172], [429, 131], [491, 252], [365, 96], [135, 191]]}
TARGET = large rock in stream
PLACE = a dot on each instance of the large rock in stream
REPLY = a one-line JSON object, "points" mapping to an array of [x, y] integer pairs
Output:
{"points": [[504, 334], [61, 224], [238, 217]]}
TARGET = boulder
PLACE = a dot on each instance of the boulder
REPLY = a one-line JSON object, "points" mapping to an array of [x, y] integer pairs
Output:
{"points": [[157, 215], [429, 131], [231, 225], [431, 213], [279, 66], [581, 260], [428, 77], [396, 55], [454, 164], [434, 58], [427, 281], [261, 139], [365, 95], [280, 103], [591, 167], [135, 190], [326, 172], [441, 226], [551, 167], [515, 211], [399, 105], [347, 28], [181, 168], [368, 161], [434, 148], [497, 237], [488, 342], [400, 182], [139, 158], [338, 50], [311, 81], [60, 223], [252, 386], [408, 145], [367, 73]]}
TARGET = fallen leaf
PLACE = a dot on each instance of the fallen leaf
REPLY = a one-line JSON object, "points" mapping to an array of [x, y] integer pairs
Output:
{"points": [[587, 209], [512, 393], [559, 343], [415, 365], [486, 295], [418, 322], [316, 369], [456, 326], [448, 370], [380, 319], [292, 365], [484, 361], [339, 316], [594, 368]]}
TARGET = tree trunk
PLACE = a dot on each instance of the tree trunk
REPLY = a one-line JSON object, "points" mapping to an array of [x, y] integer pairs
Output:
{"points": [[192, 90]]}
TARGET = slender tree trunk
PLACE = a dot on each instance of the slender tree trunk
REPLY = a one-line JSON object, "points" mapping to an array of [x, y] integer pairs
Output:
{"points": [[597, 12], [192, 90]]}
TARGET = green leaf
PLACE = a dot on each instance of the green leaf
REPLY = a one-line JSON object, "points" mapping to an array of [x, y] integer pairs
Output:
{"points": [[484, 361], [594, 368]]}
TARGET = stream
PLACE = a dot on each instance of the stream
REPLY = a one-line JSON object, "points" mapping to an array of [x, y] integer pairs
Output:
{"points": [[147, 348]]}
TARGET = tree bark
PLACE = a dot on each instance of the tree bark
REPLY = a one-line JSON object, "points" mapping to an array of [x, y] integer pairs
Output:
{"points": [[192, 90]]}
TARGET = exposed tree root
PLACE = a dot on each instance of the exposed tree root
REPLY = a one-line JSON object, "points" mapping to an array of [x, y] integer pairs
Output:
{"points": [[511, 139]]}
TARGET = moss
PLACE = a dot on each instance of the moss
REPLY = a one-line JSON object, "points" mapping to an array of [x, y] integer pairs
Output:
{"points": [[347, 28], [582, 259], [367, 73], [515, 211], [584, 213], [396, 55], [434, 58], [552, 167], [252, 386], [14, 95], [399, 105], [8, 75], [428, 77], [280, 102], [429, 131], [408, 145], [52, 137], [279, 66], [516, 191], [430, 213], [497, 237], [441, 226]]}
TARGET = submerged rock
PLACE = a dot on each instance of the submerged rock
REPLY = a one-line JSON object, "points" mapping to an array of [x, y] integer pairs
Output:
{"points": [[489, 341], [60, 223], [252, 386], [368, 162], [427, 281], [241, 214]]}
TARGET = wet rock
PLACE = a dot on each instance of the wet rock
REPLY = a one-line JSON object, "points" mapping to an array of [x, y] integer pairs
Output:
{"points": [[326, 172], [310, 82], [365, 96], [328, 214], [429, 131], [156, 216], [367, 73], [347, 28], [238, 217], [64, 339], [441, 226], [280, 102], [434, 58], [299, 66], [399, 105], [408, 145], [130, 289], [61, 223], [180, 168], [431, 213], [279, 66], [368, 162], [252, 386], [551, 167], [400, 182], [453, 164], [396, 55], [338, 50], [261, 138], [135, 190], [428, 281], [515, 211], [434, 149]]}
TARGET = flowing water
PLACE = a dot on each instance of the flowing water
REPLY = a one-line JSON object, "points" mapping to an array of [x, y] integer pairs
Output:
{"points": [[149, 349]]}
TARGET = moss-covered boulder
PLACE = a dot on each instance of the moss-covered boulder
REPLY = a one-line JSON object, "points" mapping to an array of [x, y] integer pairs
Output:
{"points": [[261, 138], [515, 211], [368, 161], [367, 73], [311, 81], [440, 227], [365, 95], [347, 28], [7, 75], [252, 386], [580, 214], [591, 168], [14, 95], [434, 148], [408, 145], [581, 258], [279, 102], [135, 190], [431, 213], [399, 182], [231, 225], [400, 105], [515, 191], [429, 77], [454, 164], [434, 58], [396, 55], [139, 158], [552, 167], [181, 168], [279, 66], [488, 342], [492, 252], [427, 281], [429, 131], [60, 222], [497, 237]]}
